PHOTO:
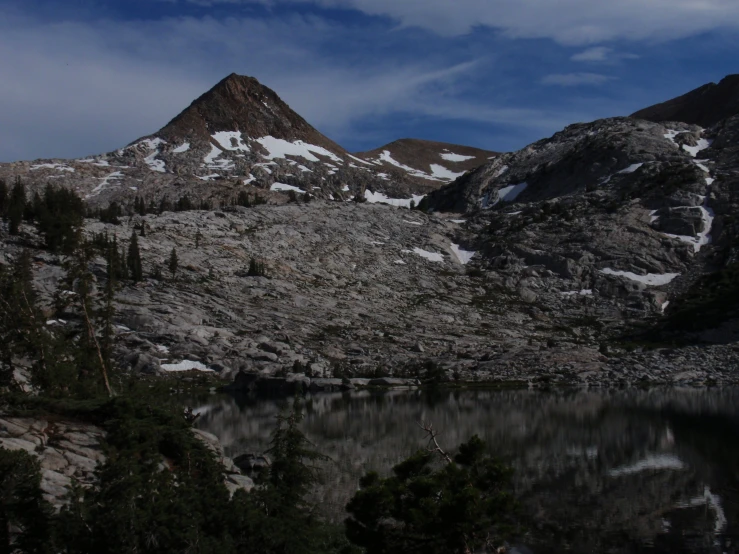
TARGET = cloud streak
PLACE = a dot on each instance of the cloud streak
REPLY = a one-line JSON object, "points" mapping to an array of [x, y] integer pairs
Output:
{"points": [[75, 88], [575, 79], [573, 22]]}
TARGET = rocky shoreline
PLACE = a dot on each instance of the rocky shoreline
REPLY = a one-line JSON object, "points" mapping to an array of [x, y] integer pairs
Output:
{"points": [[70, 453]]}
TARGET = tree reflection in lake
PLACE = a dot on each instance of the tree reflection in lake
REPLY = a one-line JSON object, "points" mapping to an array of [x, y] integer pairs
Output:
{"points": [[599, 471]]}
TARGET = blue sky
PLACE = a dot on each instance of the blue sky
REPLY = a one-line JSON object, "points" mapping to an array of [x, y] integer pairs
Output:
{"points": [[79, 77]]}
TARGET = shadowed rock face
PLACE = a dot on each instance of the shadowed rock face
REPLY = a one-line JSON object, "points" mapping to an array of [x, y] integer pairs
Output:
{"points": [[704, 106]]}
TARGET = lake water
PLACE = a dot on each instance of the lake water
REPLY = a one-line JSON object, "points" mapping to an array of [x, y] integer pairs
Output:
{"points": [[598, 471]]}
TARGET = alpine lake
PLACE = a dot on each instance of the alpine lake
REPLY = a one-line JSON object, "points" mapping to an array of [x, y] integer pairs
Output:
{"points": [[595, 471]]}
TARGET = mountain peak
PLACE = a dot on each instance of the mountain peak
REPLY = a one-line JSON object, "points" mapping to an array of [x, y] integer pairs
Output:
{"points": [[704, 106], [239, 103]]}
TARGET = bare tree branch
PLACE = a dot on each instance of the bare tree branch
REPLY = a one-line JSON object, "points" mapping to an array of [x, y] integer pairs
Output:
{"points": [[431, 433], [91, 334]]}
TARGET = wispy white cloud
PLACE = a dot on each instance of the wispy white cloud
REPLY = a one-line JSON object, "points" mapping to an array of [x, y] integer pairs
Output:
{"points": [[595, 54], [575, 79], [75, 88], [602, 54], [566, 21]]}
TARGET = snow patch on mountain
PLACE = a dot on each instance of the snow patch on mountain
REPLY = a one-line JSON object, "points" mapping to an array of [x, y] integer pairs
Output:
{"points": [[444, 174], [693, 150], [211, 161], [378, 197], [464, 256], [431, 256], [230, 140], [279, 148], [187, 365], [282, 187], [448, 156], [104, 182], [60, 167], [650, 279], [182, 148]]}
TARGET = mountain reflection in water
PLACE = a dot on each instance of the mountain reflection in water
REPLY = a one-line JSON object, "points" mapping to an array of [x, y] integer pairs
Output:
{"points": [[597, 471]]}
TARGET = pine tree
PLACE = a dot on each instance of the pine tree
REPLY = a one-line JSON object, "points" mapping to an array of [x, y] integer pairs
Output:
{"points": [[22, 331], [88, 358], [22, 505], [16, 207], [173, 263], [60, 217], [134, 259], [198, 236], [3, 199], [124, 262], [256, 268], [463, 506]]}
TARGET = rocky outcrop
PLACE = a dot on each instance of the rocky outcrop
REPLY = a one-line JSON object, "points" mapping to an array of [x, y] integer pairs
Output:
{"points": [[67, 451], [704, 106], [71, 452]]}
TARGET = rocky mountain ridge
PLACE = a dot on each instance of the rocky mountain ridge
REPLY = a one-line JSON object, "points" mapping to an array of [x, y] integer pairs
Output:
{"points": [[705, 106], [241, 137], [562, 249]]}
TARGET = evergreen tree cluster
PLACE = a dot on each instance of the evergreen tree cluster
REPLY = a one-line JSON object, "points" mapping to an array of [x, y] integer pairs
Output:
{"points": [[256, 268], [62, 360], [460, 507], [111, 214], [247, 200], [58, 212], [14, 204]]}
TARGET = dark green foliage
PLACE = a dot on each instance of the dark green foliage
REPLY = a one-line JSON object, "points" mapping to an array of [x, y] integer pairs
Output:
{"points": [[3, 199], [16, 207], [22, 505], [160, 489], [173, 262], [292, 196], [184, 204], [111, 214], [164, 205], [247, 200], [133, 259], [460, 507], [22, 333], [60, 215], [256, 268], [139, 206], [84, 373], [307, 197], [32, 208], [198, 236], [275, 517]]}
